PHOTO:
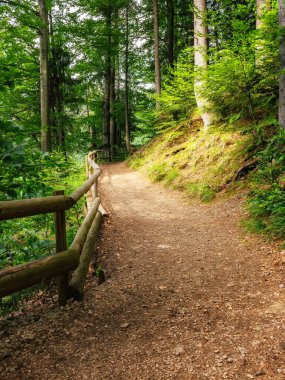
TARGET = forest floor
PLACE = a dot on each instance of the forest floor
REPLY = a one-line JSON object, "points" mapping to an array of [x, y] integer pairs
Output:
{"points": [[189, 295]]}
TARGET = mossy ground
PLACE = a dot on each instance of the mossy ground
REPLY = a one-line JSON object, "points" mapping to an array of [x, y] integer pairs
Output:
{"points": [[194, 160]]}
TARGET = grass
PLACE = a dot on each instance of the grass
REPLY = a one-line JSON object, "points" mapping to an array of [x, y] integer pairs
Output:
{"points": [[199, 162]]}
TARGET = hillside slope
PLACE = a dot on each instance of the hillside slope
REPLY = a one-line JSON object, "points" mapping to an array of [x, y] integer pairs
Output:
{"points": [[198, 161]]}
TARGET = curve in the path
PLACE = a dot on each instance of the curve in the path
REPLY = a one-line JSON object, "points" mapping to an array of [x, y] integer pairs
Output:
{"points": [[189, 295]]}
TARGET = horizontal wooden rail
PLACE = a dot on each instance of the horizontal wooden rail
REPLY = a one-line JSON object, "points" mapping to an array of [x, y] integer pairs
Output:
{"points": [[35, 206], [25, 275], [78, 193], [93, 164], [81, 234], [60, 264], [76, 284]]}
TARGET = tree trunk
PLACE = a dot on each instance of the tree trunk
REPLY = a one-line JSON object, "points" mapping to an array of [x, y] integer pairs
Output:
{"points": [[281, 111], [44, 82], [107, 90], [260, 53], [56, 81], [156, 52], [127, 121], [261, 6], [112, 110], [91, 129], [170, 32], [113, 94], [201, 59]]}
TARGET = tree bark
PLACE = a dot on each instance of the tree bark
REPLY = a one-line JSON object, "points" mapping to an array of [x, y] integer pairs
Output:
{"points": [[201, 59], [56, 80], [156, 52], [112, 110], [113, 94], [261, 6], [281, 111], [44, 82], [90, 126], [107, 90], [127, 114], [170, 32]]}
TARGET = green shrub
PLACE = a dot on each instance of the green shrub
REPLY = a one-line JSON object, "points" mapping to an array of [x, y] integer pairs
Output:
{"points": [[177, 100], [266, 202]]}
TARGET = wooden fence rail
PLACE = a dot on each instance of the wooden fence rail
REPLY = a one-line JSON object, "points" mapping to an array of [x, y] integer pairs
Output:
{"points": [[59, 265]]}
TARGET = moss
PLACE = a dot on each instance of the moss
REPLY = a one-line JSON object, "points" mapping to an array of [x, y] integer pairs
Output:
{"points": [[171, 176], [199, 162], [135, 162], [157, 172]]}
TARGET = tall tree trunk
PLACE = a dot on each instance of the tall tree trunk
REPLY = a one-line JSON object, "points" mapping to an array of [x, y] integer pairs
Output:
{"points": [[112, 110], [281, 111], [156, 52], [107, 90], [201, 59], [170, 32], [56, 80], [113, 118], [44, 82], [90, 127], [261, 6], [127, 112], [119, 94]]}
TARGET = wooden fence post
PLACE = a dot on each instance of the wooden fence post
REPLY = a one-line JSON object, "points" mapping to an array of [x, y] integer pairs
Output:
{"points": [[60, 236], [87, 167], [93, 189]]}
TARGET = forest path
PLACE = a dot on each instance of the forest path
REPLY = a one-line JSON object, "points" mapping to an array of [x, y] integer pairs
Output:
{"points": [[188, 296]]}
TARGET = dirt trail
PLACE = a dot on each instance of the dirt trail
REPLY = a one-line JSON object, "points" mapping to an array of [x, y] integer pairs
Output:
{"points": [[188, 296]]}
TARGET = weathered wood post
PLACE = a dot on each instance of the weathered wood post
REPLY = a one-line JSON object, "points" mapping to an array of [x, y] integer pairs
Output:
{"points": [[89, 194], [87, 167], [95, 185], [60, 236], [93, 189]]}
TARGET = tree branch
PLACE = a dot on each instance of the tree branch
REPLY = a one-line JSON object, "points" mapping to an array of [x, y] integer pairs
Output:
{"points": [[17, 4]]}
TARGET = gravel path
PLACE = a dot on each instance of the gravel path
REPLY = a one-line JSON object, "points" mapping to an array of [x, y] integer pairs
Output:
{"points": [[188, 296]]}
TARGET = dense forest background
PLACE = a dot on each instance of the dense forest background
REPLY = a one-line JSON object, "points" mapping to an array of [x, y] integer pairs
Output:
{"points": [[199, 75]]}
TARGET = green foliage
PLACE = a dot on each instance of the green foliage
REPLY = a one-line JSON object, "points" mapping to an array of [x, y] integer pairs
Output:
{"points": [[171, 175], [229, 84], [203, 191], [25, 172], [266, 203], [267, 209], [197, 162], [30, 238], [135, 162], [34, 174], [177, 99], [242, 79], [158, 172]]}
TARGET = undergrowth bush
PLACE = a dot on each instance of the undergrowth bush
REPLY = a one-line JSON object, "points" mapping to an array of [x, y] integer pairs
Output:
{"points": [[266, 202], [177, 99], [26, 173]]}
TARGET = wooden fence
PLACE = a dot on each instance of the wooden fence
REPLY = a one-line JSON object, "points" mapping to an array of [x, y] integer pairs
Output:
{"points": [[76, 258]]}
